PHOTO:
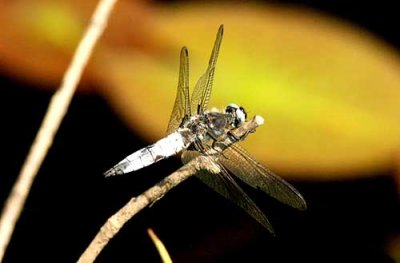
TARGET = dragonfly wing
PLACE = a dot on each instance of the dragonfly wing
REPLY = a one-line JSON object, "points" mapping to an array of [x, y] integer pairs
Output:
{"points": [[246, 168], [226, 186], [202, 91], [182, 103]]}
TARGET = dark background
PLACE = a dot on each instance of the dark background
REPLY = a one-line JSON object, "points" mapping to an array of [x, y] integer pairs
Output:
{"points": [[349, 221]]}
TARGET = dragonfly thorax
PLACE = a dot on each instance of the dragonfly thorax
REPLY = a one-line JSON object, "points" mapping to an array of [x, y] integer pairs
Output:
{"points": [[210, 126], [196, 124]]}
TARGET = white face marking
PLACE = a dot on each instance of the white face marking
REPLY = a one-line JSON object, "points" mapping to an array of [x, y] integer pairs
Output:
{"points": [[240, 115]]}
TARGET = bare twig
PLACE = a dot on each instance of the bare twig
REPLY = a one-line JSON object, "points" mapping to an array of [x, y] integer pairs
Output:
{"points": [[117, 221], [56, 111]]}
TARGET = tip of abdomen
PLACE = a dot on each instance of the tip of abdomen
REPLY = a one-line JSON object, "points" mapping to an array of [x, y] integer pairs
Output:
{"points": [[113, 172]]}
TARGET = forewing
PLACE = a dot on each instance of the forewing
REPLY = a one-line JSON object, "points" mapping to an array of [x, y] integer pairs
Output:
{"points": [[182, 103], [246, 168], [226, 186], [202, 91]]}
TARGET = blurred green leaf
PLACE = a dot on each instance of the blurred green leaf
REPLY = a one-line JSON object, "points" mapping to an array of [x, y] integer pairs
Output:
{"points": [[329, 92]]}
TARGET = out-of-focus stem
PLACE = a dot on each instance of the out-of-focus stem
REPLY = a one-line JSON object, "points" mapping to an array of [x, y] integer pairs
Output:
{"points": [[56, 111], [162, 250]]}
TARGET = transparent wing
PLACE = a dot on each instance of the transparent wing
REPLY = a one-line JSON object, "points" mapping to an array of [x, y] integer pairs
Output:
{"points": [[246, 168], [182, 103], [202, 91], [226, 186]]}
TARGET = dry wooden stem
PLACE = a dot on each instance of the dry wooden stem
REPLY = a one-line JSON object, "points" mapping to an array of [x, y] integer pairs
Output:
{"points": [[116, 222], [56, 111]]}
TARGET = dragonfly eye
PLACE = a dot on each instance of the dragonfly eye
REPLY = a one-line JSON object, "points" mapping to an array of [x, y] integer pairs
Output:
{"points": [[231, 108], [238, 113]]}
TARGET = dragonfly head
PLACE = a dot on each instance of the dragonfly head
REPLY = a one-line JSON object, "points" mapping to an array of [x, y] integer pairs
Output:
{"points": [[238, 113]]}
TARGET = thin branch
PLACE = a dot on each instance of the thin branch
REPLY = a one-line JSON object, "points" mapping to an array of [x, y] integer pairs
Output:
{"points": [[117, 221], [56, 111]]}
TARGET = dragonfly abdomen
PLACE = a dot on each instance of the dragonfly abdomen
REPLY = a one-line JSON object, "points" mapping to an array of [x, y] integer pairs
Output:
{"points": [[164, 148]]}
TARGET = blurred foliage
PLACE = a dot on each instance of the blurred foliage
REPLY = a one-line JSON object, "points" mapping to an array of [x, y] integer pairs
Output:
{"points": [[393, 248], [329, 91]]}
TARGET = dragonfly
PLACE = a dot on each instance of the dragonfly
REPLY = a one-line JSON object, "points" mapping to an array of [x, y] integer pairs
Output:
{"points": [[194, 131]]}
